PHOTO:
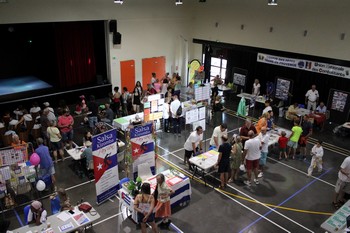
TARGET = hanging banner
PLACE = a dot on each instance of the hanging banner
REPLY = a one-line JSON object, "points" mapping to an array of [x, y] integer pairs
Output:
{"points": [[104, 151], [142, 145], [317, 67]]}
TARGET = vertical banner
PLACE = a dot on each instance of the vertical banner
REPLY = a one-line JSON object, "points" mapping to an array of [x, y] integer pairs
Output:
{"points": [[104, 151], [142, 145]]}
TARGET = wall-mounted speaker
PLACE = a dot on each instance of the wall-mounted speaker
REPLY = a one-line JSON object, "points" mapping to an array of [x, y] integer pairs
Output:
{"points": [[117, 38], [113, 26]]}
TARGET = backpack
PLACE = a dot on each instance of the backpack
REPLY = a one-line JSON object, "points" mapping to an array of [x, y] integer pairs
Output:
{"points": [[179, 111]]}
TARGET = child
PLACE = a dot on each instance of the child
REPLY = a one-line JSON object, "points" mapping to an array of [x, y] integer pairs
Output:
{"points": [[316, 161], [162, 208], [282, 142]]}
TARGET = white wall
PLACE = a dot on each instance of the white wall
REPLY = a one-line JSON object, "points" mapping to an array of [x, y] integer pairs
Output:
{"points": [[152, 28]]}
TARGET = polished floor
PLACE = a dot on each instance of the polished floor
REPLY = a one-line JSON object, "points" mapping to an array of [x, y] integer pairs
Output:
{"points": [[285, 201]]}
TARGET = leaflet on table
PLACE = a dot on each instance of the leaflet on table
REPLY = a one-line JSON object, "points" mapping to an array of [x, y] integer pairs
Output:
{"points": [[66, 227], [64, 216], [80, 219], [174, 181]]}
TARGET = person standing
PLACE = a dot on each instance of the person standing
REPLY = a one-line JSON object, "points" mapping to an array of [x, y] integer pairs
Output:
{"points": [[236, 157], [108, 116], [163, 209], [191, 145], [267, 107], [316, 160], [282, 144], [55, 140], [93, 108], [175, 115], [256, 87], [153, 79], [144, 205], [243, 132], [217, 110], [294, 138], [137, 95], [262, 122], [46, 163], [311, 98], [125, 99], [223, 162], [251, 156], [65, 124], [307, 132], [343, 182], [116, 101], [218, 132], [166, 111], [264, 140]]}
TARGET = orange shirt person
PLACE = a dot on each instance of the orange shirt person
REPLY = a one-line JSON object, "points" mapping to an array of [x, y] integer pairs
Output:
{"points": [[262, 122]]}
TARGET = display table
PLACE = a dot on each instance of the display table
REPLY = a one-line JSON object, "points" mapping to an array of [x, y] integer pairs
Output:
{"points": [[337, 222], [179, 183], [250, 97], [276, 133], [204, 163], [124, 122], [302, 112], [72, 222], [319, 118]]}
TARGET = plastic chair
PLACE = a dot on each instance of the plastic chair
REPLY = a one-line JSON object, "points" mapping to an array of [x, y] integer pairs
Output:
{"points": [[144, 171], [26, 212], [122, 181], [55, 205]]}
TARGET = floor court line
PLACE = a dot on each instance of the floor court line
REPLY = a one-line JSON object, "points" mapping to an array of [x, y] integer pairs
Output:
{"points": [[238, 202], [302, 172], [286, 200], [257, 201]]}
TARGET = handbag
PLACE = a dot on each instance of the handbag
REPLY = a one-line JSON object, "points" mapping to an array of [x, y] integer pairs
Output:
{"points": [[85, 207]]}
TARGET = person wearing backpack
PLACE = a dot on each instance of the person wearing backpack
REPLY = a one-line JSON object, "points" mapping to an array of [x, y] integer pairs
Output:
{"points": [[176, 112]]}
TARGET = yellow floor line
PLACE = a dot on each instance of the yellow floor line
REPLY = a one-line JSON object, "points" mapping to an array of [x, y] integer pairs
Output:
{"points": [[244, 198]]}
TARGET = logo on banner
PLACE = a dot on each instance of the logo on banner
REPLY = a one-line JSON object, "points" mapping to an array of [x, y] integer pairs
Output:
{"points": [[143, 148]]}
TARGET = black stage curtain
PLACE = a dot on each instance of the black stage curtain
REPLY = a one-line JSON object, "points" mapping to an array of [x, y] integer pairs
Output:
{"points": [[75, 53]]}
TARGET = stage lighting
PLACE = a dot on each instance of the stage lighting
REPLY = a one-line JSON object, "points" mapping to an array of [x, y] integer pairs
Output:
{"points": [[272, 3], [119, 1], [178, 2]]}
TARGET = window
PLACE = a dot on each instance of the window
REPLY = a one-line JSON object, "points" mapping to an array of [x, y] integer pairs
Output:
{"points": [[218, 67]]}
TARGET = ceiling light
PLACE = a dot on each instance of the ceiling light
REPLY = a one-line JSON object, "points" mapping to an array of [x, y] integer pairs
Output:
{"points": [[178, 2], [119, 1], [272, 3]]}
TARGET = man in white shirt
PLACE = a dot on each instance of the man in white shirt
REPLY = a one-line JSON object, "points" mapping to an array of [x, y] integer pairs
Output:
{"points": [[251, 156], [343, 182], [174, 106], [321, 108], [267, 107], [264, 140], [311, 98], [166, 111], [256, 87], [192, 143], [218, 132]]}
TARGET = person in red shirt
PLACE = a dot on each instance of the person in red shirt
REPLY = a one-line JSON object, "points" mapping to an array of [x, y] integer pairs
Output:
{"points": [[282, 142], [65, 124], [243, 132]]}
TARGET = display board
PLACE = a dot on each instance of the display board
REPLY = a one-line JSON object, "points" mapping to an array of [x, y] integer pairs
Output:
{"points": [[104, 151], [199, 123], [201, 113], [202, 92], [339, 105], [153, 107], [142, 145], [283, 88], [18, 154], [191, 116]]}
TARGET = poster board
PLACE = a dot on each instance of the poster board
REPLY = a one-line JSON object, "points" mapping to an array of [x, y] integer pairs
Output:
{"points": [[199, 123], [191, 116], [338, 105], [202, 92], [142, 145], [153, 107], [104, 151], [283, 88], [201, 113], [14, 155]]}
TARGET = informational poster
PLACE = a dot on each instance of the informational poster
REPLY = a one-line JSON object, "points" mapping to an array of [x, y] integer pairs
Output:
{"points": [[339, 101], [201, 113], [153, 108], [191, 116], [239, 79], [142, 145], [18, 154], [202, 92], [199, 123], [282, 89], [104, 151]]}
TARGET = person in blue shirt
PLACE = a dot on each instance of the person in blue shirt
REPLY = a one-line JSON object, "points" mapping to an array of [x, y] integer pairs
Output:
{"points": [[46, 163], [87, 154]]}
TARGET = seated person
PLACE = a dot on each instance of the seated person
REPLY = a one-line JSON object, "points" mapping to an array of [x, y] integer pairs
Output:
{"points": [[87, 154], [137, 121], [87, 137], [108, 115], [321, 108], [267, 107], [10, 130], [16, 142], [151, 90], [21, 124], [37, 214], [35, 108], [292, 112]]}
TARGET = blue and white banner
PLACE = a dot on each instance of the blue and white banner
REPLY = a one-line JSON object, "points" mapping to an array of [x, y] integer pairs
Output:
{"points": [[317, 67], [142, 145], [104, 150]]}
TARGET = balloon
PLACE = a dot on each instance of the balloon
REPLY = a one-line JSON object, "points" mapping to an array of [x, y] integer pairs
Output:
{"points": [[201, 68], [40, 185], [34, 159]]}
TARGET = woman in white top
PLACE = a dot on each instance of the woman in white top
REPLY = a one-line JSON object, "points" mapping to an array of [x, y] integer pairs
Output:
{"points": [[163, 209], [55, 138], [256, 87], [144, 205]]}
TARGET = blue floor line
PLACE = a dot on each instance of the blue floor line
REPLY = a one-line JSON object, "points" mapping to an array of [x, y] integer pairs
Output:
{"points": [[18, 217], [290, 197]]}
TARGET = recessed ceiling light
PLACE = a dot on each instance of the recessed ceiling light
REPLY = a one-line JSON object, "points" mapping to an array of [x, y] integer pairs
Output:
{"points": [[119, 1], [272, 3], [178, 2]]}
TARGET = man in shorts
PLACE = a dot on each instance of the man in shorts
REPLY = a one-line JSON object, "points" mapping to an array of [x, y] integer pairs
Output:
{"points": [[46, 163], [294, 138], [307, 132], [343, 183], [251, 156]]}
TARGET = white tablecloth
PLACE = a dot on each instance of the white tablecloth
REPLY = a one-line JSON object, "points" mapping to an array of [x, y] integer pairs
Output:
{"points": [[259, 99], [205, 161], [275, 134], [123, 122]]}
